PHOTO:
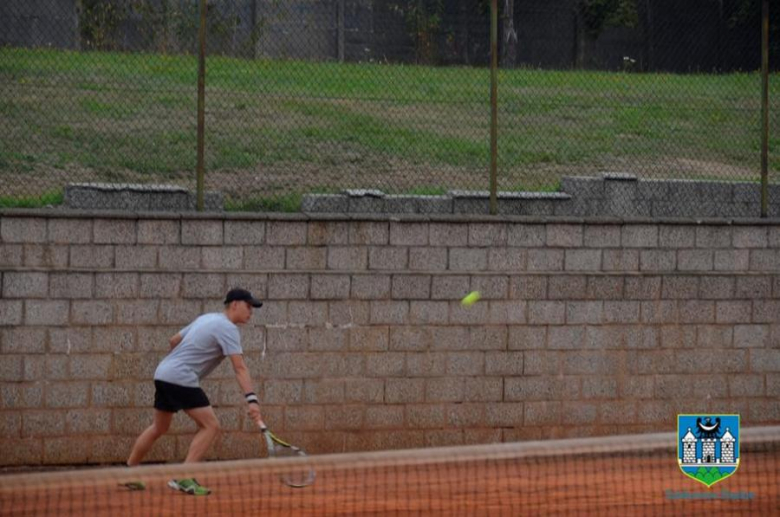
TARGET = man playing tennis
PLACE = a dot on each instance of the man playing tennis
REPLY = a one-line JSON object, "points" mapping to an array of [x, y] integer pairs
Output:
{"points": [[196, 350]]}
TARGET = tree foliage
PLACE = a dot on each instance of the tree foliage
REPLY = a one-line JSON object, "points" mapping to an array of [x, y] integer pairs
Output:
{"points": [[602, 14]]}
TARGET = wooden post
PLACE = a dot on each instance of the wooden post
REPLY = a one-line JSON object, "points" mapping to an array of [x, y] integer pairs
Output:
{"points": [[200, 167], [493, 106]]}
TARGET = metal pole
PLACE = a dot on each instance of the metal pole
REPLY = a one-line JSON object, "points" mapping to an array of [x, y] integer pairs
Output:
{"points": [[340, 30], [765, 108], [200, 168], [493, 106]]}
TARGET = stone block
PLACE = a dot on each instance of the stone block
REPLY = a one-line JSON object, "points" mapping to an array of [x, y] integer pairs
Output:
{"points": [[754, 336], [750, 237], [639, 236], [244, 232], [546, 312], [21, 395], [179, 312], [527, 337], [449, 287], [425, 416], [569, 287], [325, 203], [202, 232], [448, 234], [657, 260], [210, 285], [371, 287], [504, 363], [583, 187], [111, 394], [286, 233], [264, 258], [158, 232], [70, 231], [10, 312], [25, 285], [406, 287], [713, 237], [136, 257], [287, 339], [369, 233], [348, 258], [92, 256], [306, 258], [429, 313], [67, 395], [404, 391], [529, 287], [385, 364], [388, 258], [389, 312], [328, 339], [620, 260], [46, 312], [428, 259], [288, 286], [465, 363], [486, 337], [468, 259], [114, 231], [564, 235], [37, 424], [695, 260], [23, 229], [330, 287], [328, 233], [487, 234], [11, 255], [223, 257], [116, 285], [12, 368], [408, 234], [545, 260]]}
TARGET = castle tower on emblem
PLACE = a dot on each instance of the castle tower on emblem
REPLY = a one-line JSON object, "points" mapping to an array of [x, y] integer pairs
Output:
{"points": [[689, 447], [727, 447]]}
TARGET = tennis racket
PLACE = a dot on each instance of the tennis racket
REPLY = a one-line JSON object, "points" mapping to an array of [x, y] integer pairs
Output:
{"points": [[298, 475]]}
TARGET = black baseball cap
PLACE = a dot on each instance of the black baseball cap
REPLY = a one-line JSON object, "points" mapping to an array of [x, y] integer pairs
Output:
{"points": [[242, 295]]}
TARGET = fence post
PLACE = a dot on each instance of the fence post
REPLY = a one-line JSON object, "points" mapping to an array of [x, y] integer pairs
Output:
{"points": [[200, 168], [493, 106], [340, 30], [765, 108]]}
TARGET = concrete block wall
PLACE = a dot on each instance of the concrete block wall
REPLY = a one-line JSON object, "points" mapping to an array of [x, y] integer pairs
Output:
{"points": [[585, 327]]}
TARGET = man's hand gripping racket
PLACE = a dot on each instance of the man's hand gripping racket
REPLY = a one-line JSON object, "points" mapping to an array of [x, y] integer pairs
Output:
{"points": [[297, 475]]}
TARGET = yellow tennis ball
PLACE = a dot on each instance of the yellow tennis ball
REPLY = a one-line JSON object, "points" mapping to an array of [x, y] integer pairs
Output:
{"points": [[470, 299]]}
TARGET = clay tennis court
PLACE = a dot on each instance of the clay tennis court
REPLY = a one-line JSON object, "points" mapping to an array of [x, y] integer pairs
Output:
{"points": [[503, 479]]}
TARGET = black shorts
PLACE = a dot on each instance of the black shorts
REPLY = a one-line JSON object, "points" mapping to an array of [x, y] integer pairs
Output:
{"points": [[172, 397]]}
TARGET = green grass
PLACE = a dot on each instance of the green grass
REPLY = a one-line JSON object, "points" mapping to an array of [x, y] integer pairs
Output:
{"points": [[48, 199], [288, 127]]}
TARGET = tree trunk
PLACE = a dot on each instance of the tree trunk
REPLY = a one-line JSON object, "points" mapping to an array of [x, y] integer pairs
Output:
{"points": [[508, 36]]}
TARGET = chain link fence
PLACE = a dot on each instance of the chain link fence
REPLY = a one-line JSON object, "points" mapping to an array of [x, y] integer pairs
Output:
{"points": [[604, 107]]}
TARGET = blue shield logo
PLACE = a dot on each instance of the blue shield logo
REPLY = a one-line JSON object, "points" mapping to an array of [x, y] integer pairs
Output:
{"points": [[708, 446]]}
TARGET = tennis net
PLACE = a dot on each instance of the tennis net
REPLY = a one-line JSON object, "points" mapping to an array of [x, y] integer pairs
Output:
{"points": [[636, 474]]}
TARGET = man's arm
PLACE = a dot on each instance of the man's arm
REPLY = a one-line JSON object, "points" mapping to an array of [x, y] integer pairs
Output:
{"points": [[245, 382], [175, 340]]}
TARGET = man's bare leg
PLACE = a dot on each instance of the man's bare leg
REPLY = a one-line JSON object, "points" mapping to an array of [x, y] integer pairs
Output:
{"points": [[144, 443], [208, 431]]}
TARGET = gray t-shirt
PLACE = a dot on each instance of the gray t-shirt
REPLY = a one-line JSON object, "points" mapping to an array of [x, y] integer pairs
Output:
{"points": [[206, 341]]}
